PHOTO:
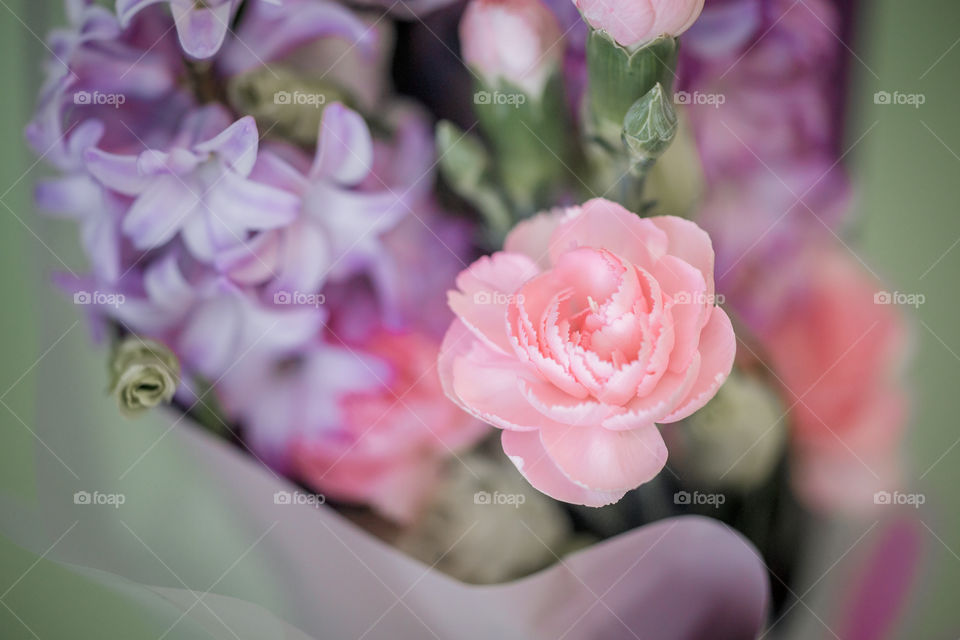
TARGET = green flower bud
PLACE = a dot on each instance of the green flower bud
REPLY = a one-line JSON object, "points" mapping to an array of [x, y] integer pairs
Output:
{"points": [[650, 125], [738, 437], [143, 373], [282, 101], [619, 77]]}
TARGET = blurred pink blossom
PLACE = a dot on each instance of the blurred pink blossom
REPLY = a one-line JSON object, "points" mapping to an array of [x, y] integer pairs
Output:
{"points": [[837, 345], [517, 41]]}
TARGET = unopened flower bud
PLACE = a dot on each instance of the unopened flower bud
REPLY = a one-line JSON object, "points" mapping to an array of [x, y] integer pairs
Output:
{"points": [[143, 373], [633, 23], [650, 125], [738, 437], [516, 41]]}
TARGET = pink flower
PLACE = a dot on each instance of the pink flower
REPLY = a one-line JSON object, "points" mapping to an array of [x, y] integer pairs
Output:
{"points": [[837, 351], [633, 23], [392, 440], [589, 328], [518, 41]]}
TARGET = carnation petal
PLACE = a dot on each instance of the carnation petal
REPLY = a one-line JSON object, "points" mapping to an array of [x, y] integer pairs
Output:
{"points": [[484, 290], [527, 453], [607, 225], [718, 346], [603, 459], [690, 243]]}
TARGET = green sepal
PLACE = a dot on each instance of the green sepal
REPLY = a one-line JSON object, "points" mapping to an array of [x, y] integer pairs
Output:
{"points": [[619, 77]]}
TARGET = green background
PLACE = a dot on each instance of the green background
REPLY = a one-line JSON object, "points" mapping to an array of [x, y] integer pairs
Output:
{"points": [[907, 169]]}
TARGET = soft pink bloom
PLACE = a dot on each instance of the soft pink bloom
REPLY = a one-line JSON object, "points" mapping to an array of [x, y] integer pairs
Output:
{"points": [[392, 441], [837, 352], [517, 41], [589, 328], [633, 23]]}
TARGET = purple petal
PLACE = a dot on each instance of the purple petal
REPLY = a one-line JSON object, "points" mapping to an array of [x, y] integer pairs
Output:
{"points": [[305, 258], [269, 32], [120, 173], [201, 30], [101, 240], [251, 205], [210, 339], [156, 216], [71, 196], [345, 149], [237, 145], [166, 287], [126, 9]]}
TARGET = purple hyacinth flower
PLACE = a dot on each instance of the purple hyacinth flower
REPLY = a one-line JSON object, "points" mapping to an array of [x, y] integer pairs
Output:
{"points": [[199, 188], [210, 322]]}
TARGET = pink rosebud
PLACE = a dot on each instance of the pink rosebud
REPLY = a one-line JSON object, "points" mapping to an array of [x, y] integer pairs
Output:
{"points": [[589, 328], [636, 22], [837, 347], [513, 40]]}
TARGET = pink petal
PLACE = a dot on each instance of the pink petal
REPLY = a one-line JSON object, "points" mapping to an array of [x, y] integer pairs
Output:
{"points": [[602, 224], [531, 237], [718, 346], [528, 455], [606, 460], [655, 406], [690, 243], [690, 309], [484, 382], [485, 288], [562, 407]]}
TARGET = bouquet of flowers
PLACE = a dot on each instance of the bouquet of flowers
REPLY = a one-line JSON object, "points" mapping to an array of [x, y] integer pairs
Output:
{"points": [[556, 269]]}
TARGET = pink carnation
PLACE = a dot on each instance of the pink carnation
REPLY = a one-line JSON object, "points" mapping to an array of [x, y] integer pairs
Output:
{"points": [[837, 347], [592, 326]]}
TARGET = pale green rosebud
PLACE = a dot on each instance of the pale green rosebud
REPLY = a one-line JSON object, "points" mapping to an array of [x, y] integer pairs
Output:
{"points": [[143, 374], [650, 125], [738, 437], [511, 529], [282, 101]]}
